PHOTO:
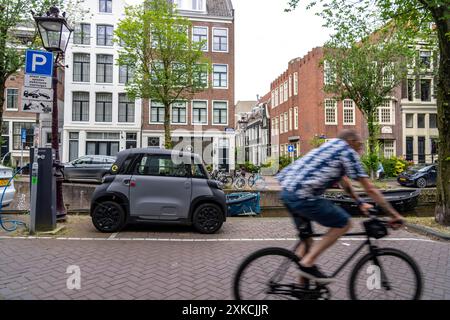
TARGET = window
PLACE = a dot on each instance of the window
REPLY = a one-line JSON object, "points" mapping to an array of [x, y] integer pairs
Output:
{"points": [[153, 141], [156, 112], [281, 123], [409, 120], [220, 78], [80, 106], [285, 91], [330, 111], [348, 112], [290, 86], [12, 99], [425, 90], [73, 145], [104, 68], [385, 113], [179, 112], [388, 148], [272, 99], [126, 108], [295, 83], [220, 40], [195, 5], [276, 97], [17, 135], [103, 107], [104, 35], [198, 5], [296, 118], [81, 67], [131, 141], [286, 128], [105, 6], [82, 33], [290, 119], [162, 165], [425, 59], [281, 94], [179, 71], [199, 112], [433, 120], [388, 77], [201, 75], [220, 112], [276, 126], [421, 120], [410, 90], [125, 74], [329, 76], [200, 34]]}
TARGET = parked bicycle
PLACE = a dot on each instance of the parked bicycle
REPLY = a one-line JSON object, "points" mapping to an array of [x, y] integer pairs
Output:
{"points": [[256, 180], [382, 273]]}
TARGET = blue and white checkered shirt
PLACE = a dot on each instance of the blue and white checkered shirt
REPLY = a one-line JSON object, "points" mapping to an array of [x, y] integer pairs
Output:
{"points": [[322, 167]]}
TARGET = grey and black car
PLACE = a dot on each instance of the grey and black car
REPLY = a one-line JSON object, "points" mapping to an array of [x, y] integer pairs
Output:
{"points": [[419, 176], [90, 168], [158, 186]]}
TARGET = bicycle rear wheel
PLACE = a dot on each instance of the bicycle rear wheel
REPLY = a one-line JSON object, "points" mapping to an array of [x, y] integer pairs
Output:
{"points": [[390, 274], [266, 275]]}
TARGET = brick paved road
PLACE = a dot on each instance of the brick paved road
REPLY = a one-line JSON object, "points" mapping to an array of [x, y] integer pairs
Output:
{"points": [[177, 267]]}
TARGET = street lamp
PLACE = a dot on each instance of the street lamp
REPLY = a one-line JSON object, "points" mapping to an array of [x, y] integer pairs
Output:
{"points": [[55, 33]]}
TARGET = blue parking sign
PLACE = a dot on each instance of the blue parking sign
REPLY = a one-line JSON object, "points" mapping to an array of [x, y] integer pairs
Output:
{"points": [[290, 148], [39, 63]]}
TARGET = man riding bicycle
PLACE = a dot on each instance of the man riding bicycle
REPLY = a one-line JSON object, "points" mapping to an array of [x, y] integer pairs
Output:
{"points": [[304, 181]]}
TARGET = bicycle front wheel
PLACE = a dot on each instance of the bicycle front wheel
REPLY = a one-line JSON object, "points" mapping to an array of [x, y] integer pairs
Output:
{"points": [[266, 274], [390, 274]]}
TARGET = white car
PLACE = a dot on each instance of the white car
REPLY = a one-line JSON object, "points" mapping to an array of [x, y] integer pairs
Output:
{"points": [[5, 175]]}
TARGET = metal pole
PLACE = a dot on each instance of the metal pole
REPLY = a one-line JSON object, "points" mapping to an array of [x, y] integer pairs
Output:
{"points": [[60, 210]]}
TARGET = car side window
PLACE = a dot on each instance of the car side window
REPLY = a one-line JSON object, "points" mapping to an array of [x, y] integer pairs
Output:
{"points": [[84, 160], [161, 165], [198, 171]]}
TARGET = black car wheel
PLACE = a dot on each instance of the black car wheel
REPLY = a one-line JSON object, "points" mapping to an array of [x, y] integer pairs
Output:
{"points": [[421, 182], [208, 218], [108, 216]]}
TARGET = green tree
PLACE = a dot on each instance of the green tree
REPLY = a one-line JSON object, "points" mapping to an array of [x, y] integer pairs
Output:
{"points": [[417, 17], [18, 13], [167, 65]]}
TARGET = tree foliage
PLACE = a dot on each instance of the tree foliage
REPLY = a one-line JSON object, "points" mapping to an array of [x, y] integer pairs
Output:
{"points": [[167, 65]]}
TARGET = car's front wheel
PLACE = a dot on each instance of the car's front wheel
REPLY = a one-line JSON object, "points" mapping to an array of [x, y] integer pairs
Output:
{"points": [[421, 183], [108, 216], [207, 218]]}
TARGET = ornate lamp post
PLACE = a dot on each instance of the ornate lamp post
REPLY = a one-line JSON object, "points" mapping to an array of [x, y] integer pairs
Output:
{"points": [[55, 33]]}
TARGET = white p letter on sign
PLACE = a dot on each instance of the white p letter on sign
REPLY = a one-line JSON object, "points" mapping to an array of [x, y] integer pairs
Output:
{"points": [[35, 62]]}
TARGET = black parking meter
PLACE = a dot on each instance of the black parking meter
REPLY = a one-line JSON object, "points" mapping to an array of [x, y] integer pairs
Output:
{"points": [[43, 190]]}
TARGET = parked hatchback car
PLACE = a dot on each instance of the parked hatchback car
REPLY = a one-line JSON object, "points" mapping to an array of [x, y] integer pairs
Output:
{"points": [[5, 175], [91, 168], [420, 176], [157, 185]]}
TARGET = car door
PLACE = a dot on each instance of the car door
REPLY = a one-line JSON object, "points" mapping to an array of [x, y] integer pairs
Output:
{"points": [[77, 170], [160, 189]]}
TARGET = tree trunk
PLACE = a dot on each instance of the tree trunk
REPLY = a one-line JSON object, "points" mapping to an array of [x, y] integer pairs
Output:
{"points": [[167, 133], [2, 101], [372, 142], [443, 110]]}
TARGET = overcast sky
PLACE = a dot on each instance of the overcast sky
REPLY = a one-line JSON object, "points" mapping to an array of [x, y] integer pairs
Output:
{"points": [[267, 38]]}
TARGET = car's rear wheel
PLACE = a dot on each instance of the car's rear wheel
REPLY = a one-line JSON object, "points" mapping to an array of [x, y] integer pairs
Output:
{"points": [[207, 218], [108, 216], [421, 183]]}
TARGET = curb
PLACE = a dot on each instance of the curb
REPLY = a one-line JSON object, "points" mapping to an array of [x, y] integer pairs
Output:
{"points": [[428, 231]]}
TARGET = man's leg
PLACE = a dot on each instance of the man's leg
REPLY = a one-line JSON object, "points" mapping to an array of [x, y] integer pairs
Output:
{"points": [[328, 240]]}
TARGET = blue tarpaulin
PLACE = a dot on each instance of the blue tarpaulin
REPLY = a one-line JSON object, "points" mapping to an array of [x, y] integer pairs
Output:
{"points": [[243, 203]]}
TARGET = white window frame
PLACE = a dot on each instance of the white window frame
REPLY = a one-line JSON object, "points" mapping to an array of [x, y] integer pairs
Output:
{"points": [[212, 113], [150, 114], [295, 83], [290, 119], [272, 99], [207, 36], [390, 148], [347, 108], [391, 114], [326, 69], [276, 97], [295, 118], [228, 40], [290, 85], [280, 91], [282, 123], [187, 114], [286, 122], [6, 99], [276, 127], [335, 111], [285, 91], [192, 113], [228, 76]]}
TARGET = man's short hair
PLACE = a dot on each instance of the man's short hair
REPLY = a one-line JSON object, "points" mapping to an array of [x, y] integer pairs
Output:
{"points": [[349, 135]]}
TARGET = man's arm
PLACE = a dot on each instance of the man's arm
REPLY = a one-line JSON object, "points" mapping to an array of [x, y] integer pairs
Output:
{"points": [[346, 184], [377, 196]]}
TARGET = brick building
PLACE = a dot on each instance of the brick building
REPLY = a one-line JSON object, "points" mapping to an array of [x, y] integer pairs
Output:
{"points": [[208, 119], [300, 110]]}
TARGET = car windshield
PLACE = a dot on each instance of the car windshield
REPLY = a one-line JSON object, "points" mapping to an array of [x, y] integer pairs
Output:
{"points": [[418, 168], [424, 169]]}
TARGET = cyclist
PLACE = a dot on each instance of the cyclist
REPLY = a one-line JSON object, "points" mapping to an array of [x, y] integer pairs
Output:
{"points": [[305, 180]]}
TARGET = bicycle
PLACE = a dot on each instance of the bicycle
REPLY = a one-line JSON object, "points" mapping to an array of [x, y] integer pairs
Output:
{"points": [[256, 180], [381, 275]]}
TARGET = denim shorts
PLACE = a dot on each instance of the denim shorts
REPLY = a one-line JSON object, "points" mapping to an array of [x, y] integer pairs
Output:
{"points": [[316, 209]]}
